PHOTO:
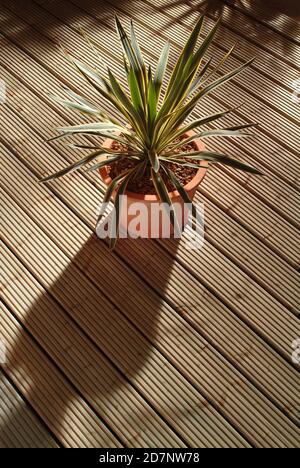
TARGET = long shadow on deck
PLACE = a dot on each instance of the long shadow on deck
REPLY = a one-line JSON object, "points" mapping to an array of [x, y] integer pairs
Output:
{"points": [[80, 331]]}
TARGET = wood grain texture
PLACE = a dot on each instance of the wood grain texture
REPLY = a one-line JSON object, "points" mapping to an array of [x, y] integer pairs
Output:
{"points": [[153, 345]]}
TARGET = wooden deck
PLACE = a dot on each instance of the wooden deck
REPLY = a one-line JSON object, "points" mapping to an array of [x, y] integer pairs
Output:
{"points": [[153, 345]]}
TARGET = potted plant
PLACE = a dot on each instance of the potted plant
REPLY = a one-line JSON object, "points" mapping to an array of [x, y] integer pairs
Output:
{"points": [[150, 154]]}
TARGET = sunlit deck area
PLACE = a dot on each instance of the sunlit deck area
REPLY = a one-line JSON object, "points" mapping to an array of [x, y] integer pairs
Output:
{"points": [[153, 344]]}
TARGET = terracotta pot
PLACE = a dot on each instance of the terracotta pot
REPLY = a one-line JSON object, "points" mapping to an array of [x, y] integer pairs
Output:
{"points": [[147, 201]]}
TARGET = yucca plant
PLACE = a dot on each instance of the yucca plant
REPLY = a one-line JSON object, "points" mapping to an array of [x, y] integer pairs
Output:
{"points": [[150, 124]]}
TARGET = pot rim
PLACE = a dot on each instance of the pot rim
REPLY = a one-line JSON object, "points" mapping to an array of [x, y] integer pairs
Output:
{"points": [[191, 185]]}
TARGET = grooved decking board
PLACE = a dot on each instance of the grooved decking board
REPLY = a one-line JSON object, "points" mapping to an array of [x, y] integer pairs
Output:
{"points": [[275, 97], [88, 189], [48, 391], [287, 289], [146, 17], [146, 326], [20, 99], [267, 225], [249, 346], [183, 302], [20, 428], [87, 199], [295, 292], [207, 364], [271, 17], [235, 20], [267, 46], [100, 384], [271, 188], [257, 144], [171, 395], [283, 437]]}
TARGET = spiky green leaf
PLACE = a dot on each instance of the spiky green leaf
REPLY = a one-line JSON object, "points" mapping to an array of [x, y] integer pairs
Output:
{"points": [[105, 162], [164, 197], [73, 167], [118, 206], [160, 69]]}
